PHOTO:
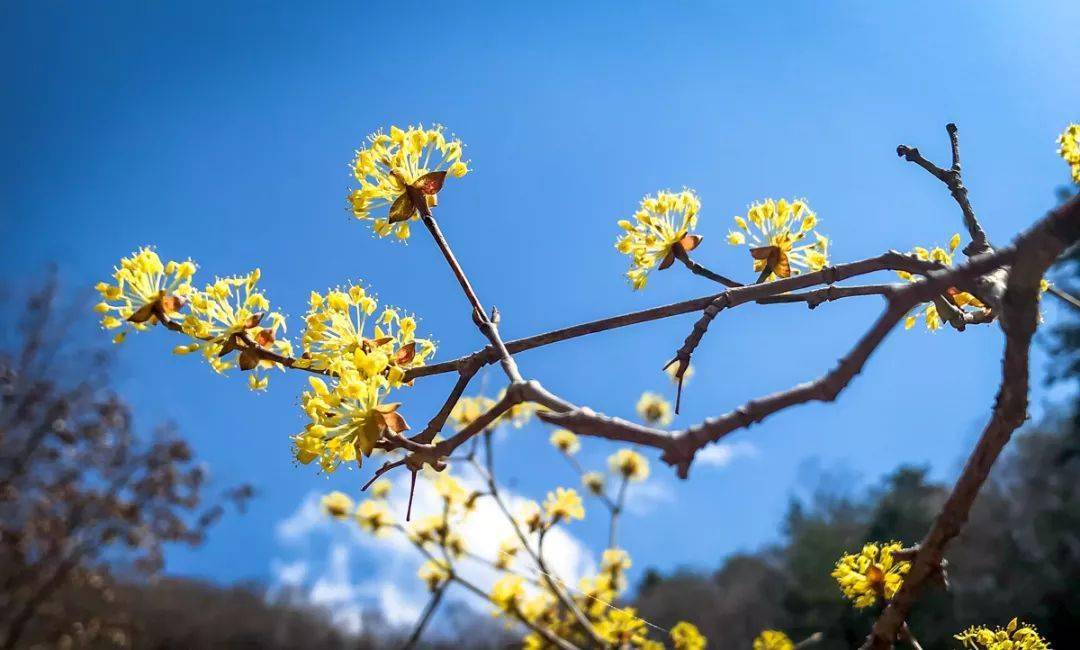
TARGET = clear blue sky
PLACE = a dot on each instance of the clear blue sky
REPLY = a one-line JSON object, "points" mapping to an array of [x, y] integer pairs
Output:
{"points": [[223, 131]]}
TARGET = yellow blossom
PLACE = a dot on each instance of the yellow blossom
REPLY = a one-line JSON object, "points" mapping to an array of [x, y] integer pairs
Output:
{"points": [[531, 516], [507, 593], [685, 636], [629, 464], [468, 409], [337, 504], [399, 169], [1014, 636], [654, 409], [615, 560], [434, 573], [565, 441], [622, 627], [232, 314], [660, 224], [374, 516], [593, 482], [349, 418], [144, 289], [672, 372], [506, 553], [343, 334], [1070, 149], [450, 489], [782, 236], [517, 415], [773, 640], [540, 605], [379, 489], [928, 312], [564, 504], [871, 574]]}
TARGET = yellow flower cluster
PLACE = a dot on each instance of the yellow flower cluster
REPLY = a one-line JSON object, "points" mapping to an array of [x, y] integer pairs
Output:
{"points": [[660, 224], [337, 504], [468, 409], [629, 464], [685, 636], [871, 574], [563, 504], [594, 482], [773, 640], [1014, 636], [654, 409], [435, 573], [401, 173], [672, 371], [782, 237], [1070, 149], [351, 416], [233, 314], [565, 441], [374, 516], [228, 315], [145, 289], [507, 594], [928, 312]]}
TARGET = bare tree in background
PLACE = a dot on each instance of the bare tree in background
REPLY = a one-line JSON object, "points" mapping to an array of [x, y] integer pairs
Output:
{"points": [[80, 491]]}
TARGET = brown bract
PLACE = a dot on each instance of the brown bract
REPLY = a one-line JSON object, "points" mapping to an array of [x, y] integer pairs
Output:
{"points": [[413, 198]]}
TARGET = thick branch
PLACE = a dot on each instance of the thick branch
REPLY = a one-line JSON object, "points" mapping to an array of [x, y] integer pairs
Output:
{"points": [[1035, 252]]}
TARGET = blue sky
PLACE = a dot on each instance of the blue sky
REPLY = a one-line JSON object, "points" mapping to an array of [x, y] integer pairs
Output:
{"points": [[224, 133]]}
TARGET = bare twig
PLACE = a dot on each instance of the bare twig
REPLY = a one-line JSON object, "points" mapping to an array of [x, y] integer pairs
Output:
{"points": [[488, 325], [698, 269], [953, 179], [1064, 296]]}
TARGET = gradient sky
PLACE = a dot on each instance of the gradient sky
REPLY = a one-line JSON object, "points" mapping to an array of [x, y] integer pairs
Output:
{"points": [[223, 132]]}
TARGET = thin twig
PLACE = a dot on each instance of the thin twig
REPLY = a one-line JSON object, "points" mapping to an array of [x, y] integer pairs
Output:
{"points": [[698, 269], [1064, 296], [890, 261], [432, 605], [488, 325], [616, 510], [953, 179]]}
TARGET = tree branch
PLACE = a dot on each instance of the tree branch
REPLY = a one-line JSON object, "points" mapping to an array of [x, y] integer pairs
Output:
{"points": [[1036, 250], [890, 261], [953, 179], [488, 325]]}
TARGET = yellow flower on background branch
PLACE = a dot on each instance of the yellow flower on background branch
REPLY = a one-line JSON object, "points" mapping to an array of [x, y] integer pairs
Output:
{"points": [[1014, 636], [773, 640]]}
